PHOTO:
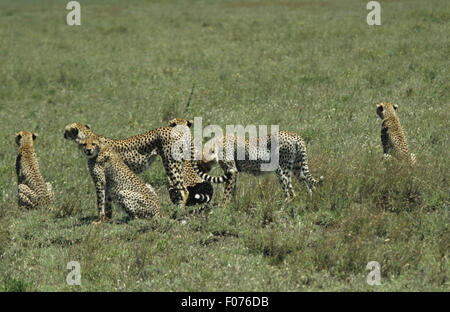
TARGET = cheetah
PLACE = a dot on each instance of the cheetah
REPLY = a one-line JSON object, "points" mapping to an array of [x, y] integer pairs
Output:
{"points": [[117, 183], [392, 137], [32, 188], [135, 156], [292, 157], [138, 153], [200, 191]]}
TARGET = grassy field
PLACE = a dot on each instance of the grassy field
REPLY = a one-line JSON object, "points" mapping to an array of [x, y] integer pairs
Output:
{"points": [[311, 67]]}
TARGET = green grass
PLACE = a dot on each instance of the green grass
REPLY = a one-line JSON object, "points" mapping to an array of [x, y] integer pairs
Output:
{"points": [[312, 67]]}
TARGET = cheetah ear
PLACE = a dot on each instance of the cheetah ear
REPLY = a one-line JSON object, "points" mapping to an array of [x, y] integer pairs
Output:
{"points": [[88, 126], [190, 123], [172, 124], [71, 133], [34, 135], [395, 106], [18, 137], [379, 108]]}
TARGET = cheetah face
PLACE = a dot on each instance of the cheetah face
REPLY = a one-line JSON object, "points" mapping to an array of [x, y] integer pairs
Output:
{"points": [[25, 136], [210, 156], [384, 107], [76, 131], [90, 147]]}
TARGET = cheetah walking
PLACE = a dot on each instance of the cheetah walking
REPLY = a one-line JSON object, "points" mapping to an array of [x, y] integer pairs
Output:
{"points": [[32, 188], [292, 159], [115, 182], [392, 137]]}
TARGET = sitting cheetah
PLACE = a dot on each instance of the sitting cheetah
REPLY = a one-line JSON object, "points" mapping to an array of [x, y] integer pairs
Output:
{"points": [[292, 158], [32, 188], [140, 151], [392, 137], [115, 182]]}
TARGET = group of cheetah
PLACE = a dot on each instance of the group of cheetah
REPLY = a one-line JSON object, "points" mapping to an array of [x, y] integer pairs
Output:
{"points": [[114, 165]]}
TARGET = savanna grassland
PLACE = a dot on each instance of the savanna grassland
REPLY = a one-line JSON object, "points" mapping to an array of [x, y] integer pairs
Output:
{"points": [[312, 67]]}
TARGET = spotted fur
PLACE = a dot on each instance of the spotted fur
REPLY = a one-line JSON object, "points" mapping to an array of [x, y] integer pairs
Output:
{"points": [[33, 191], [136, 156], [139, 152], [199, 190], [393, 138], [292, 159], [116, 183]]}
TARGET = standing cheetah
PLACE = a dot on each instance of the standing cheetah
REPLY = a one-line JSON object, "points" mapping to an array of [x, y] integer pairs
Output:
{"points": [[200, 191], [32, 188], [392, 137], [292, 158], [115, 182]]}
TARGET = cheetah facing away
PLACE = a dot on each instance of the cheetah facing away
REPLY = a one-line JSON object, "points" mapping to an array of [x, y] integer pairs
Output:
{"points": [[32, 188], [392, 137], [292, 159], [115, 182]]}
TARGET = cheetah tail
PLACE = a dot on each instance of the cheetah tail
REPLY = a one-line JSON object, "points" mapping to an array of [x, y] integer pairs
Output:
{"points": [[222, 179], [205, 176], [202, 198]]}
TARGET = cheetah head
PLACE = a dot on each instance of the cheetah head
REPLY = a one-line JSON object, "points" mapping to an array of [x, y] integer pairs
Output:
{"points": [[89, 146], [208, 160], [180, 122], [384, 107], [77, 131], [25, 137], [211, 154]]}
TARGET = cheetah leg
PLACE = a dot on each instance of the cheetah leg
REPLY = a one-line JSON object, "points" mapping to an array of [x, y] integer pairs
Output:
{"points": [[387, 156], [184, 197], [107, 213], [413, 159], [27, 197], [284, 176], [103, 203], [302, 178], [230, 188], [50, 196], [50, 191], [176, 182], [98, 175], [230, 185]]}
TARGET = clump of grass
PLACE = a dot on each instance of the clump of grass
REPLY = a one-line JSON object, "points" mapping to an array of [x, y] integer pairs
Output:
{"points": [[269, 244], [14, 285]]}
